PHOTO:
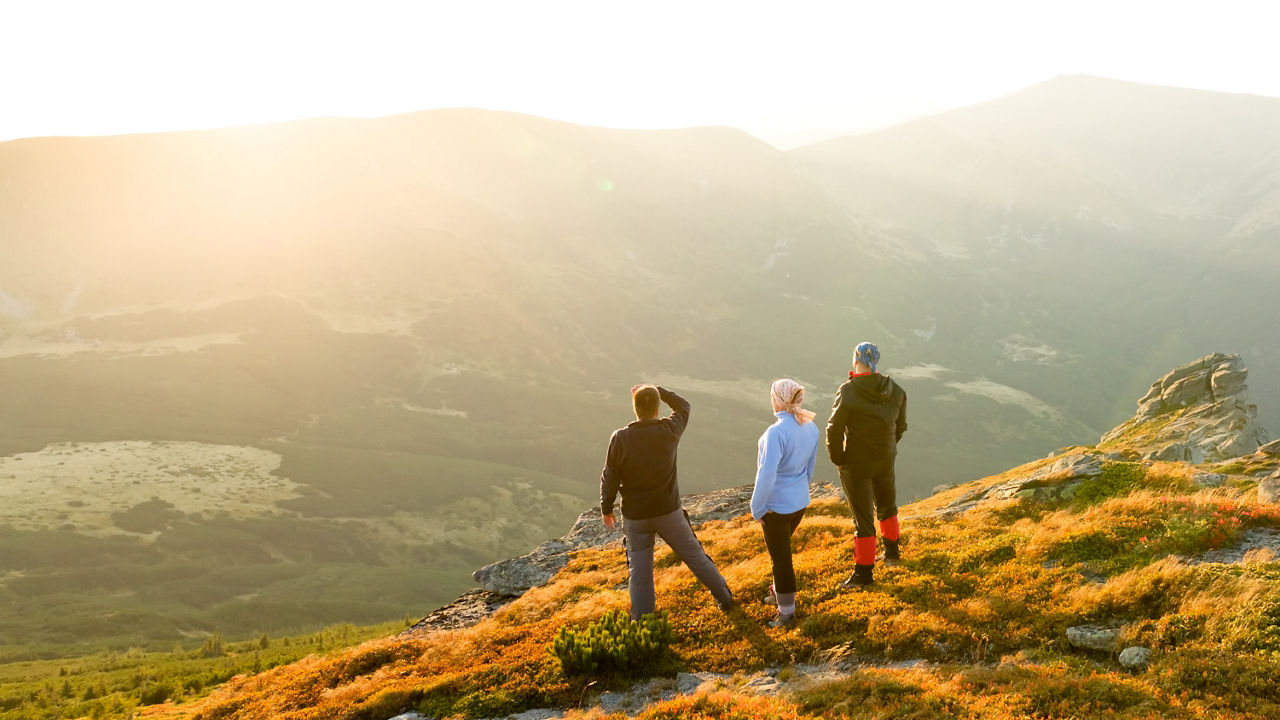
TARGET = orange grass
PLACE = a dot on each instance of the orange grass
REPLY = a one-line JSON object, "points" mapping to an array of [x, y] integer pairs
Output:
{"points": [[1003, 578]]}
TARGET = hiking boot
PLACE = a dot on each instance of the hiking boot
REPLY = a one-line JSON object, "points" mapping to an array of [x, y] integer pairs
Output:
{"points": [[772, 597], [892, 553], [860, 578], [783, 621], [727, 605]]}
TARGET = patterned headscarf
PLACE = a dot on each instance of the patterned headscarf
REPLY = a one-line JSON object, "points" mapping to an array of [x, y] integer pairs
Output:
{"points": [[867, 354], [787, 396]]}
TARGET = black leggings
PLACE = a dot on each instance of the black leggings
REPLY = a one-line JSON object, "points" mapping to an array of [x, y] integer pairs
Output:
{"points": [[778, 530]]}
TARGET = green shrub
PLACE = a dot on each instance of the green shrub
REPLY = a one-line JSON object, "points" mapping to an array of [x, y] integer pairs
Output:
{"points": [[155, 694], [1116, 479], [213, 646], [615, 643]]}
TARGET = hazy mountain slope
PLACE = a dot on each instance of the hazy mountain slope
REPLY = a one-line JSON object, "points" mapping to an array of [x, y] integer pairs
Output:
{"points": [[1106, 228], [436, 316]]}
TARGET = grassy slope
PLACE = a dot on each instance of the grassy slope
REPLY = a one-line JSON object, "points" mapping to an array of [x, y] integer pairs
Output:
{"points": [[987, 596], [113, 684]]}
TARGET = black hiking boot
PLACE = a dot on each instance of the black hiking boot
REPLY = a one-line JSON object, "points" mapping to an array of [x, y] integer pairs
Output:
{"points": [[860, 578], [892, 553]]}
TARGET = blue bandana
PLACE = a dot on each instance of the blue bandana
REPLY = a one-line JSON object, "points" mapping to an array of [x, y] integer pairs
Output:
{"points": [[867, 354]]}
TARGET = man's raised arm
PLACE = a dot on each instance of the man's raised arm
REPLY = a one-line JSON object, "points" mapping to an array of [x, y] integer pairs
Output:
{"points": [[679, 417]]}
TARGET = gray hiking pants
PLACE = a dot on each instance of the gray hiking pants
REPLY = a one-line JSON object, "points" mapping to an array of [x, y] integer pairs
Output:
{"points": [[674, 529]]}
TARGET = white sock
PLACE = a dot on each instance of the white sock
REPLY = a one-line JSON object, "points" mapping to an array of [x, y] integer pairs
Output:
{"points": [[786, 603]]}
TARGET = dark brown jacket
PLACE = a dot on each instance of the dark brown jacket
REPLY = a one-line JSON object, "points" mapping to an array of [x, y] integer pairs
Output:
{"points": [[641, 463]]}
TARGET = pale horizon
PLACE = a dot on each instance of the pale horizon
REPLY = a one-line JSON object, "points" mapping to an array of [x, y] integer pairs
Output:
{"points": [[813, 70]]}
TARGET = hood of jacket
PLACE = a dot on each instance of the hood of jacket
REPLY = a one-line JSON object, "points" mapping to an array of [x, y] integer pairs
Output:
{"points": [[874, 388]]}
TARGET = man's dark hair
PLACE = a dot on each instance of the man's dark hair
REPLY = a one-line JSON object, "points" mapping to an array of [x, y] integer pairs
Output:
{"points": [[645, 399]]}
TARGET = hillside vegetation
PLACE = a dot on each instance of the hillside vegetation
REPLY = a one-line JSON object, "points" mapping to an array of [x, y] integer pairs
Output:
{"points": [[981, 605], [986, 597]]}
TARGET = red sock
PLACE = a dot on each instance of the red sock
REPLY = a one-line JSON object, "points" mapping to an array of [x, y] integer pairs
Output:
{"points": [[864, 550], [889, 528]]}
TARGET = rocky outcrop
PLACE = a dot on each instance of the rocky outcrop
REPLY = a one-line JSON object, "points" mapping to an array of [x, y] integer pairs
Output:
{"points": [[1271, 448], [470, 608], [1057, 481], [515, 575], [1199, 412]]}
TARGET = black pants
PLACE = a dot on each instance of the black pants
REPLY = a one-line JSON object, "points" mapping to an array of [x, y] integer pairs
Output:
{"points": [[778, 530], [871, 493]]}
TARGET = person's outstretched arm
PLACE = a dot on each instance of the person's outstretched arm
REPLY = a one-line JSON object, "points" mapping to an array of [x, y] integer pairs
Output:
{"points": [[678, 420]]}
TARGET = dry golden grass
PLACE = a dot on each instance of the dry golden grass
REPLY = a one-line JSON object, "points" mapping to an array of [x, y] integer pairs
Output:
{"points": [[1004, 579]]}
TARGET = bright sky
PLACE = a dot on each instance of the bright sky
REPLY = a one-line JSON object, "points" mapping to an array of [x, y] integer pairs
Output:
{"points": [[785, 70]]}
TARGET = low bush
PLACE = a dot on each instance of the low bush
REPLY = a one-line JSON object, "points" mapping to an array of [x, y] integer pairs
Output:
{"points": [[615, 643]]}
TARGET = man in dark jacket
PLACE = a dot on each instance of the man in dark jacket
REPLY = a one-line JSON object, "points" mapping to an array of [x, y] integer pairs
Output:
{"points": [[867, 421], [641, 465]]}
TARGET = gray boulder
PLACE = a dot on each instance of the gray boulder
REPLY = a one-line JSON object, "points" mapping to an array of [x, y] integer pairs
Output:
{"points": [[1079, 465], [1093, 637], [1064, 475], [1269, 488], [1271, 448], [1135, 658], [470, 608], [1208, 480]]}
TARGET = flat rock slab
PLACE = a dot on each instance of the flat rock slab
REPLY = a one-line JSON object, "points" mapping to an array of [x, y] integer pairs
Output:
{"points": [[470, 608], [1093, 637], [1252, 539]]}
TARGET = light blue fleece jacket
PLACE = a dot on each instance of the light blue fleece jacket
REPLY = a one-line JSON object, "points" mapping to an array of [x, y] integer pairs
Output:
{"points": [[784, 466]]}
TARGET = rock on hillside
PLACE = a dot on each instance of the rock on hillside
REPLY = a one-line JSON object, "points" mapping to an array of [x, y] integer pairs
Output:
{"points": [[1199, 412]]}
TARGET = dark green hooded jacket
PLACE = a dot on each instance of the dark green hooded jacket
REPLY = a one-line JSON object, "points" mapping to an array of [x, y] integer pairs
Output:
{"points": [[868, 419]]}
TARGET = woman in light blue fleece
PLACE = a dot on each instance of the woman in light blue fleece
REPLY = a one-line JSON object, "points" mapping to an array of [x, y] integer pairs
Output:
{"points": [[788, 450]]}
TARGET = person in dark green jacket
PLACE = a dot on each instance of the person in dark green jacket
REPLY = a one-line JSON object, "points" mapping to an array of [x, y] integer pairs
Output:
{"points": [[867, 421]]}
